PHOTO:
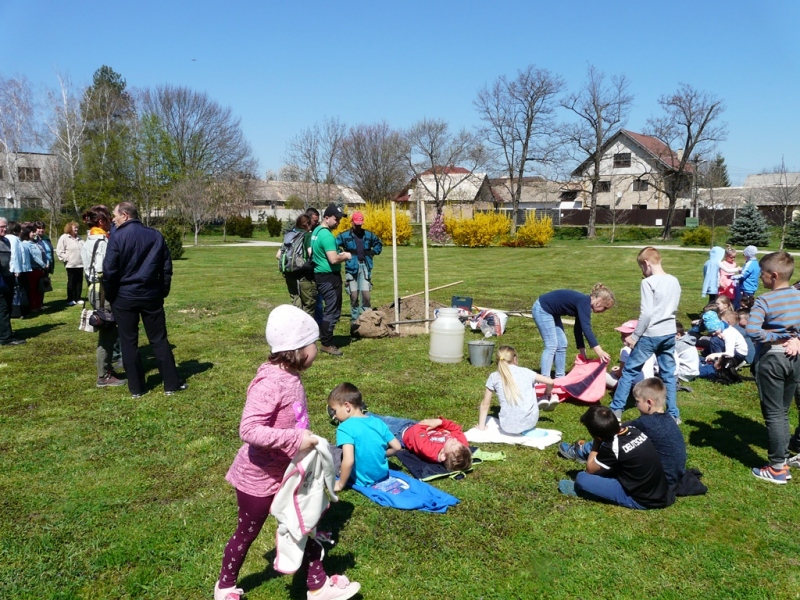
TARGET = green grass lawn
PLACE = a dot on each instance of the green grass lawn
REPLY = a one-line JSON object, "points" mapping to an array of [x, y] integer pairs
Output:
{"points": [[102, 496]]}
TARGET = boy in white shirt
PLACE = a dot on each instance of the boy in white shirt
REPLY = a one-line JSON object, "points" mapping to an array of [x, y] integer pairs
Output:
{"points": [[735, 344]]}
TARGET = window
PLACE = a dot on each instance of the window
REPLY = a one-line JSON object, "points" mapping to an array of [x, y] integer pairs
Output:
{"points": [[30, 203], [603, 186], [1, 173], [28, 174], [639, 206], [640, 185], [570, 196], [622, 160]]}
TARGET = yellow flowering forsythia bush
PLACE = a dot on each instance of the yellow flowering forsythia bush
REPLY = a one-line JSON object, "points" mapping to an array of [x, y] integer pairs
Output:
{"points": [[482, 230], [378, 220], [536, 233]]}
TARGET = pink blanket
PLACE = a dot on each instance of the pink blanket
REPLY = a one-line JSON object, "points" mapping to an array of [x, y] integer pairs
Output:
{"points": [[586, 382]]}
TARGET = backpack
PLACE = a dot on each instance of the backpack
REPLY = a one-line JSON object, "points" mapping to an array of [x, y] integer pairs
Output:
{"points": [[293, 257]]}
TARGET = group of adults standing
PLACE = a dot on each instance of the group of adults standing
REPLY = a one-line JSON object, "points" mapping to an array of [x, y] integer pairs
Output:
{"points": [[26, 262], [128, 269], [317, 288]]}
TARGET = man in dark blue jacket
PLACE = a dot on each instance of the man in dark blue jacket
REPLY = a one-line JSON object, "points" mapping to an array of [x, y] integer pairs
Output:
{"points": [[362, 246], [137, 273]]}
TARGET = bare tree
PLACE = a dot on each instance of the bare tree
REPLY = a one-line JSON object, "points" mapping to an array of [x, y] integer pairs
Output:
{"points": [[204, 137], [602, 107], [784, 193], [439, 160], [690, 125], [67, 127], [315, 154], [193, 201], [519, 117], [371, 161], [52, 185], [232, 197], [18, 133]]}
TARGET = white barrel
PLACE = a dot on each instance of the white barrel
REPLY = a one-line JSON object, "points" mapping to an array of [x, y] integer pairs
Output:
{"points": [[447, 337]]}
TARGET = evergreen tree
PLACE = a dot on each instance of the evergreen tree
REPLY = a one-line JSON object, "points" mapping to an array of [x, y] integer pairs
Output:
{"points": [[717, 175], [792, 239], [749, 228]]}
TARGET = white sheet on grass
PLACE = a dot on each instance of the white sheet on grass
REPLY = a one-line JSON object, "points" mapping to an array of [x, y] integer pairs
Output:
{"points": [[535, 438]]}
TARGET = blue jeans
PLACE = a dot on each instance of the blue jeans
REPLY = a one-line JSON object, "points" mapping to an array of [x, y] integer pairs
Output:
{"points": [[664, 349], [604, 489], [555, 341], [359, 284], [397, 425]]}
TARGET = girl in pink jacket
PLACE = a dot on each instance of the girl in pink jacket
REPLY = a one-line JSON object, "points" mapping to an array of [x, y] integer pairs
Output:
{"points": [[274, 428]]}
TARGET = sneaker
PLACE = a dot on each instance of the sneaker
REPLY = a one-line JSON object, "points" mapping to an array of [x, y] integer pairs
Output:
{"points": [[337, 587], [231, 593], [181, 388], [108, 380], [71, 303], [80, 302], [333, 350], [139, 395], [571, 451], [794, 461], [779, 476], [15, 342], [685, 388], [543, 404]]}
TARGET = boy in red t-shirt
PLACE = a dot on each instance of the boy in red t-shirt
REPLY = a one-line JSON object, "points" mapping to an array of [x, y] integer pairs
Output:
{"points": [[435, 440]]}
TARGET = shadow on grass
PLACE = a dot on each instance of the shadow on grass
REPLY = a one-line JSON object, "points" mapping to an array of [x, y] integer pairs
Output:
{"points": [[731, 435], [186, 369], [338, 514], [28, 333]]}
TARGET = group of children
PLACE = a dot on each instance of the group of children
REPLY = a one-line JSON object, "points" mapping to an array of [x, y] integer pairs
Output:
{"points": [[723, 277], [637, 464]]}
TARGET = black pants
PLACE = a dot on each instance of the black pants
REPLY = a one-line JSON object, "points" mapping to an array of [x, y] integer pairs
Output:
{"points": [[6, 297], [329, 288], [127, 312], [74, 283]]}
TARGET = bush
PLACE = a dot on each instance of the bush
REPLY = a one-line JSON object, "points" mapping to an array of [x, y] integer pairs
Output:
{"points": [[535, 233], [480, 231], [242, 226], [630, 234], [173, 236], [378, 220], [437, 232], [570, 233], [792, 239], [274, 226], [699, 236]]}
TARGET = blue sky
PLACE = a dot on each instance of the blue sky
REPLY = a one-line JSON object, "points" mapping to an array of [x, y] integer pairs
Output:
{"points": [[282, 66]]}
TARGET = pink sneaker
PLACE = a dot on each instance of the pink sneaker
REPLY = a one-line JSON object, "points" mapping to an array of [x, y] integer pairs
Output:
{"points": [[231, 593], [337, 587]]}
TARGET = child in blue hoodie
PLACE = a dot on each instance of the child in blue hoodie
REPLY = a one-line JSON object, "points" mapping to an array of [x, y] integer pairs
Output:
{"points": [[748, 279], [711, 273]]}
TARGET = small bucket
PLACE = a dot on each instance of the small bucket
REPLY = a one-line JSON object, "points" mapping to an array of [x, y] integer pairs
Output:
{"points": [[480, 353]]}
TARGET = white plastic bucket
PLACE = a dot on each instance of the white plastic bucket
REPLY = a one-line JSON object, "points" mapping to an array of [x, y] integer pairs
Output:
{"points": [[447, 337], [481, 353]]}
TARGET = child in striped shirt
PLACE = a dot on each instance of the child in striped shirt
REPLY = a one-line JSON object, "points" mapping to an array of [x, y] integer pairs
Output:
{"points": [[774, 321]]}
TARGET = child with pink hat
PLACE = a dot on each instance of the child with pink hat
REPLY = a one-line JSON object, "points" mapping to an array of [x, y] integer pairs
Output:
{"points": [[274, 428], [648, 370]]}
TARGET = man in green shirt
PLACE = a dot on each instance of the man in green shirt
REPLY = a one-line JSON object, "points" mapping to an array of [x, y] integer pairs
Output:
{"points": [[327, 274]]}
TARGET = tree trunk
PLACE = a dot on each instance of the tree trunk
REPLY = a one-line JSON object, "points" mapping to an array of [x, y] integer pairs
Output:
{"points": [[673, 198], [591, 229], [196, 231]]}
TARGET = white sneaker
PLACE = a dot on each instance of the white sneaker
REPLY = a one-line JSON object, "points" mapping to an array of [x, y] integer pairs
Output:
{"points": [[794, 461], [231, 593]]}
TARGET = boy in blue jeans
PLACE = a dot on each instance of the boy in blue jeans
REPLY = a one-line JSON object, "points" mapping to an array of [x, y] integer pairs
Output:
{"points": [[659, 427], [623, 467], [773, 325], [654, 334]]}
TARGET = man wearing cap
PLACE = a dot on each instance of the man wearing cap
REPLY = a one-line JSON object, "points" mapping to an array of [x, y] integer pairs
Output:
{"points": [[327, 273], [362, 245]]}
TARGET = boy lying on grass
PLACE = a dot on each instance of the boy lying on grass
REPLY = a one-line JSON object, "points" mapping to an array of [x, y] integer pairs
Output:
{"points": [[434, 440], [622, 468]]}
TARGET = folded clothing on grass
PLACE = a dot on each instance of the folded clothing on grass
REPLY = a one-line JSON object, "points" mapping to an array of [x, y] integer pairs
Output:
{"points": [[400, 490], [427, 471]]}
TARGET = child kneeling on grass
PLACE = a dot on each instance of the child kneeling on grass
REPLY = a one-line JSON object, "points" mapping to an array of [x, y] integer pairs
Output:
{"points": [[435, 440], [659, 427], [623, 467], [274, 428], [363, 438]]}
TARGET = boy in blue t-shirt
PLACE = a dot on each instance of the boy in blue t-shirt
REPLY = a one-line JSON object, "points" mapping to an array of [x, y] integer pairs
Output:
{"points": [[363, 439]]}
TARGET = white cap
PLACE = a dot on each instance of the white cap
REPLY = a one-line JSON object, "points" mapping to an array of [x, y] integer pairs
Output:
{"points": [[289, 328]]}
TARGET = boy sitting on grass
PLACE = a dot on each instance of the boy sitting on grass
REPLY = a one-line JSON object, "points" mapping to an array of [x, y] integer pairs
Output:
{"points": [[362, 437], [622, 468], [659, 427], [434, 440]]}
